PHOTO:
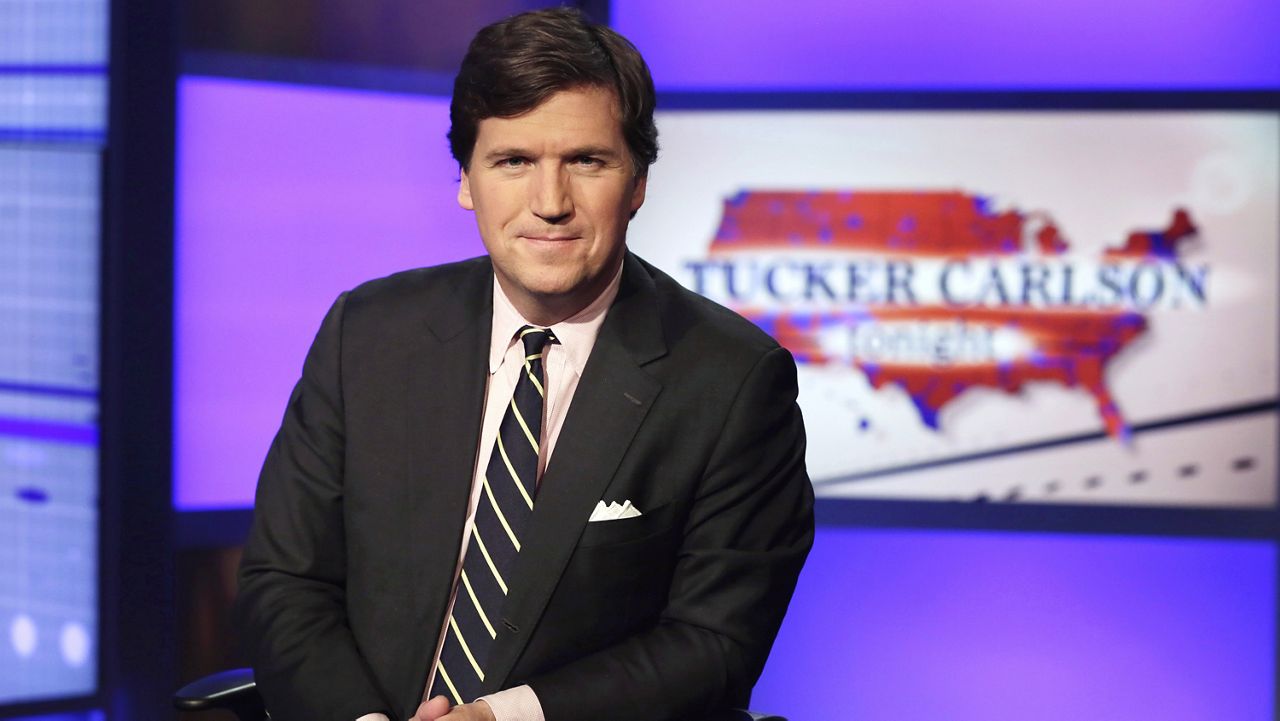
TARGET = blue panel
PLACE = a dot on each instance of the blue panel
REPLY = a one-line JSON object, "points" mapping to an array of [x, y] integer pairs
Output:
{"points": [[53, 82], [358, 185], [952, 44], [52, 121], [49, 221], [921, 626]]}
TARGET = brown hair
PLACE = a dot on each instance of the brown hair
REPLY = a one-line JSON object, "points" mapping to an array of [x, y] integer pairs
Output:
{"points": [[515, 65]]}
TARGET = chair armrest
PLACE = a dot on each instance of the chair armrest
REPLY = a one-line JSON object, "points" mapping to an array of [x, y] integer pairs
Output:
{"points": [[740, 715], [234, 691]]}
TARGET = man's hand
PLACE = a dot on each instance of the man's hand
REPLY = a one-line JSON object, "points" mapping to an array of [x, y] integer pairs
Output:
{"points": [[437, 709]]}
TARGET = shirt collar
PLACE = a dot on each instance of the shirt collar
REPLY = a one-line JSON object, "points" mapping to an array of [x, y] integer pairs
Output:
{"points": [[577, 334]]}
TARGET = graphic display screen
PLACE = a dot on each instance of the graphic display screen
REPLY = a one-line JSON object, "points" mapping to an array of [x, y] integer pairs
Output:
{"points": [[49, 221], [1026, 306], [53, 83]]}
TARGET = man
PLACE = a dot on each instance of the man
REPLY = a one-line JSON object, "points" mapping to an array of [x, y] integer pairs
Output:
{"points": [[548, 483]]}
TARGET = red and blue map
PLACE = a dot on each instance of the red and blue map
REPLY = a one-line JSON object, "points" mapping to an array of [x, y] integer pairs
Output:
{"points": [[1066, 323]]}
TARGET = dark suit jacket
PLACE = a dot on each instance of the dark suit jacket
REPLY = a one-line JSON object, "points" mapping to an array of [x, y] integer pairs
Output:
{"points": [[684, 408]]}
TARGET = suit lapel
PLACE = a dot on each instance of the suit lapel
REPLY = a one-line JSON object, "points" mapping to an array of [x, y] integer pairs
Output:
{"points": [[445, 392], [612, 399]]}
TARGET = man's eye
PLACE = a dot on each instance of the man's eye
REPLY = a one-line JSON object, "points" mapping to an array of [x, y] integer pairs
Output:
{"points": [[588, 161], [513, 162]]}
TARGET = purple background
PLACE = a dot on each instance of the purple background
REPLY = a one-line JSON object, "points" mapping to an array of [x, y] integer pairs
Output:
{"points": [[955, 44], [287, 196], [964, 626]]}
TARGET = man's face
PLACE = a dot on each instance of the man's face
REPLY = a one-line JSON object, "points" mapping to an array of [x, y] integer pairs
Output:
{"points": [[552, 191]]}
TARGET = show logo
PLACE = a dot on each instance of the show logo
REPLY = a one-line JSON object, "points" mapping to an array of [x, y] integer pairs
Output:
{"points": [[937, 293]]}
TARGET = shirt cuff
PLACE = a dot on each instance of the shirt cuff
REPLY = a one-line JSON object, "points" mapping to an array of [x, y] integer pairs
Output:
{"points": [[373, 717], [515, 704]]}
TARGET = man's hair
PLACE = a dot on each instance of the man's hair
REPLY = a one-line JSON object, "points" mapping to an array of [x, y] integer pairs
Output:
{"points": [[515, 65]]}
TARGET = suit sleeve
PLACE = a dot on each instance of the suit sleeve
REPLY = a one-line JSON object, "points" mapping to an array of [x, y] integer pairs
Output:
{"points": [[749, 531], [291, 606]]}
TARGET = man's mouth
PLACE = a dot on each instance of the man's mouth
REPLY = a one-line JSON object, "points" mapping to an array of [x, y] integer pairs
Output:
{"points": [[549, 237]]}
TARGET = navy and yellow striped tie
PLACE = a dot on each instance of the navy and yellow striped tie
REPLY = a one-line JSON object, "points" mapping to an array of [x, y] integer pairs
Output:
{"points": [[506, 504]]}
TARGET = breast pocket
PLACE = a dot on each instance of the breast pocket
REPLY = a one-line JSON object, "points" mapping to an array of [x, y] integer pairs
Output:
{"points": [[651, 523]]}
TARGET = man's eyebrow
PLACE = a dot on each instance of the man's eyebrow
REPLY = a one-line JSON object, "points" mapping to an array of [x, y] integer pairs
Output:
{"points": [[513, 151], [506, 152], [597, 150]]}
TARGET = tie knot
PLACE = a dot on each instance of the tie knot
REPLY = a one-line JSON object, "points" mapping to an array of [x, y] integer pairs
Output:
{"points": [[535, 339]]}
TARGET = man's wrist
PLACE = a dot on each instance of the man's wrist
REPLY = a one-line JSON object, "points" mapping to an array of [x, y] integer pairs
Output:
{"points": [[514, 704]]}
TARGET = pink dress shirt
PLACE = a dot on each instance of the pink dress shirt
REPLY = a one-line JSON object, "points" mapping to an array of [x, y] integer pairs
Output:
{"points": [[563, 364]]}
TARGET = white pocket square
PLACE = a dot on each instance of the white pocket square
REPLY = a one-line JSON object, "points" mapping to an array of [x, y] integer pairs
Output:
{"points": [[613, 512]]}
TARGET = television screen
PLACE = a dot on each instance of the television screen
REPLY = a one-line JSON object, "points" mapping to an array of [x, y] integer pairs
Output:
{"points": [[53, 88], [49, 220], [1043, 306]]}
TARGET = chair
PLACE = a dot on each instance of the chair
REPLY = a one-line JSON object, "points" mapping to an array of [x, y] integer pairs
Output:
{"points": [[236, 692]]}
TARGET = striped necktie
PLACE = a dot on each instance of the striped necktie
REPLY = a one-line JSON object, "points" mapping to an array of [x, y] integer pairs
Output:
{"points": [[506, 504]]}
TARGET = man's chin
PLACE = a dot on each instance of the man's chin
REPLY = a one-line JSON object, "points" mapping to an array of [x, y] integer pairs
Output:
{"points": [[554, 296]]}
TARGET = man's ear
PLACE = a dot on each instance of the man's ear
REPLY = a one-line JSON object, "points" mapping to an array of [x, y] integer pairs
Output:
{"points": [[637, 193], [464, 191]]}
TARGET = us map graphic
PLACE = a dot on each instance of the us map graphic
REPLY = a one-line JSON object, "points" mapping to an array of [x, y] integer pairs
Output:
{"points": [[936, 293], [993, 305]]}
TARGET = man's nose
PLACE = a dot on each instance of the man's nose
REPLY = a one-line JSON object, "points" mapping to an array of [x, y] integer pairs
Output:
{"points": [[551, 198]]}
